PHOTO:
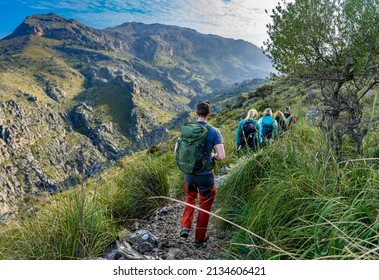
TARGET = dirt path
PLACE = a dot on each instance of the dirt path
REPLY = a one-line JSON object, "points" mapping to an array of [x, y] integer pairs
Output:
{"points": [[158, 238], [166, 225]]}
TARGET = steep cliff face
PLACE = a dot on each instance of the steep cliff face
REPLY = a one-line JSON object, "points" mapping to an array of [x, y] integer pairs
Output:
{"points": [[58, 126], [39, 153]]}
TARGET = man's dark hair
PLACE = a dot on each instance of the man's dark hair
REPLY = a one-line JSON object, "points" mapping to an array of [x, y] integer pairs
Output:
{"points": [[203, 109]]}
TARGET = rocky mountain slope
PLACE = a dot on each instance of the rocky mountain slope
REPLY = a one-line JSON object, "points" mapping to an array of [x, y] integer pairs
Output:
{"points": [[74, 99]]}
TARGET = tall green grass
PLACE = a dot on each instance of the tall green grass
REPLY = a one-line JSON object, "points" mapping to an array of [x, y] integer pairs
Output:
{"points": [[81, 223], [72, 226], [297, 196], [129, 195]]}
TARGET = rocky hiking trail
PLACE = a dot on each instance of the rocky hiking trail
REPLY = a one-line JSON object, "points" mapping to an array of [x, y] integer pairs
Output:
{"points": [[157, 238]]}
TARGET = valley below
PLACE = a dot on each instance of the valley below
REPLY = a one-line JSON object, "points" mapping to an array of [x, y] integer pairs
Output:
{"points": [[74, 100]]}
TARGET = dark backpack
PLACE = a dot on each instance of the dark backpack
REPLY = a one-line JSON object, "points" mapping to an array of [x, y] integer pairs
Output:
{"points": [[267, 130], [191, 156], [248, 135], [282, 124]]}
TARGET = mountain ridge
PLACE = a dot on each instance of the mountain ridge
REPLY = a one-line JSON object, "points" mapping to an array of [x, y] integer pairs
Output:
{"points": [[148, 41]]}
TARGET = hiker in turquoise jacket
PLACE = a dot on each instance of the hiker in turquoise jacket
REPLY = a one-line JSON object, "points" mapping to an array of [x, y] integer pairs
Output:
{"points": [[251, 116], [269, 127]]}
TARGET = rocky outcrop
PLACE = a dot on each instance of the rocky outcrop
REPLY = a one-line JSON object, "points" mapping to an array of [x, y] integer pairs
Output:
{"points": [[100, 76], [10, 191], [56, 27], [144, 128], [102, 136], [151, 48], [14, 129], [54, 93], [147, 137], [39, 153]]}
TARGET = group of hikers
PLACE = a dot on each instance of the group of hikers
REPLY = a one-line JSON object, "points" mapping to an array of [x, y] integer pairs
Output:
{"points": [[200, 145], [253, 133]]}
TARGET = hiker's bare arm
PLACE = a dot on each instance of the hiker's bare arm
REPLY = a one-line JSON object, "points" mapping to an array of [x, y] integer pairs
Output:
{"points": [[176, 147], [220, 152]]}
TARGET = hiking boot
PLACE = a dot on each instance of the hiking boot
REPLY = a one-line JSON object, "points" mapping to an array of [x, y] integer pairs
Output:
{"points": [[200, 244], [184, 233]]}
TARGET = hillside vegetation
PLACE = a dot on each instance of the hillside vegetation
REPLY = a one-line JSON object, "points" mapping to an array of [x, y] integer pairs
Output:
{"points": [[295, 199]]}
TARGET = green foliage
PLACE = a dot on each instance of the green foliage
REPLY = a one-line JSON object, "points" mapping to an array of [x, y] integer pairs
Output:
{"points": [[111, 104], [83, 222], [263, 90], [361, 25], [136, 192], [70, 227], [335, 44], [309, 37]]}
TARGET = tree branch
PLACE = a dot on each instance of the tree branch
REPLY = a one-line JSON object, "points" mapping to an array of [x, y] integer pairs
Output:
{"points": [[368, 89]]}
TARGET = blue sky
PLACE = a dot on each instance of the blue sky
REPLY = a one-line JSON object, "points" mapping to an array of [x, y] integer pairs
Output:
{"points": [[238, 19]]}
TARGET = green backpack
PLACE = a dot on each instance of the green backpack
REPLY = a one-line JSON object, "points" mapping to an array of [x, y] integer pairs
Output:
{"points": [[190, 154]]}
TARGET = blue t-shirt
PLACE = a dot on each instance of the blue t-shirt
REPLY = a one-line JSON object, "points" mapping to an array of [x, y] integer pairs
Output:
{"points": [[213, 138]]}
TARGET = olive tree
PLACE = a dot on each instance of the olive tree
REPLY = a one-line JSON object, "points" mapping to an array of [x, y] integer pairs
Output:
{"points": [[334, 43]]}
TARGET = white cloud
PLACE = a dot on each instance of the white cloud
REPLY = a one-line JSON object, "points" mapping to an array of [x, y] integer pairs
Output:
{"points": [[55, 5], [244, 19], [239, 19]]}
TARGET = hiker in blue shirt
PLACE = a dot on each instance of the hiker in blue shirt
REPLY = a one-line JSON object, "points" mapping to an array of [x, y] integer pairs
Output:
{"points": [[269, 127], [245, 132], [201, 185]]}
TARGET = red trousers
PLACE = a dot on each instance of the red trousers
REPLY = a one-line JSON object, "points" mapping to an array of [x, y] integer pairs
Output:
{"points": [[192, 194]]}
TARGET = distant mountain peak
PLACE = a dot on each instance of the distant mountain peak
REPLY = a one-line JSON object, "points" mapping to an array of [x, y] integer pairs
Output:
{"points": [[52, 26]]}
